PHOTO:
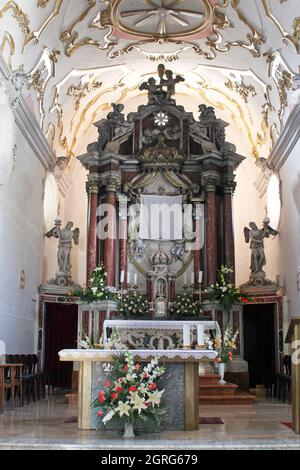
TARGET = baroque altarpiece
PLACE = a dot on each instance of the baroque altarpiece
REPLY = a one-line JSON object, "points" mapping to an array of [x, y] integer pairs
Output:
{"points": [[161, 152]]}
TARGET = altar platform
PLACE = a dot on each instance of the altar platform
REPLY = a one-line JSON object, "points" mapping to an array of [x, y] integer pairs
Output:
{"points": [[50, 424]]}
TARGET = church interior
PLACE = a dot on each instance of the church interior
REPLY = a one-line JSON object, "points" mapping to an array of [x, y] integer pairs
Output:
{"points": [[149, 213]]}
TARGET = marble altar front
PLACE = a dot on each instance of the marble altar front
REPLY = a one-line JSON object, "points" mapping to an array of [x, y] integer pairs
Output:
{"points": [[180, 381]]}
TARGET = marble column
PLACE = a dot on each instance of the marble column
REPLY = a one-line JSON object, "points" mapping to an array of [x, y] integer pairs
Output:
{"points": [[92, 190], [110, 242], [123, 236], [171, 289], [229, 258], [198, 241], [211, 231]]}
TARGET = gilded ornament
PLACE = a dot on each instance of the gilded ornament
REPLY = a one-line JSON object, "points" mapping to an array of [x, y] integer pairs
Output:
{"points": [[71, 40], [42, 3], [245, 91], [293, 38], [80, 91], [8, 39]]}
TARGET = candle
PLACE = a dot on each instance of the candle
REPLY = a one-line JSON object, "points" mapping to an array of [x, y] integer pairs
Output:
{"points": [[192, 278], [185, 279], [186, 335], [122, 276], [135, 279], [200, 335], [200, 276], [128, 277]]}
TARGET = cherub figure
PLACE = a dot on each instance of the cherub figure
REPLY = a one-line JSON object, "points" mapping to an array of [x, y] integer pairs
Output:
{"points": [[155, 93], [170, 83]]}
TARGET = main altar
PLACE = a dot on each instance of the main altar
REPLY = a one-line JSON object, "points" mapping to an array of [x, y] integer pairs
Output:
{"points": [[160, 184]]}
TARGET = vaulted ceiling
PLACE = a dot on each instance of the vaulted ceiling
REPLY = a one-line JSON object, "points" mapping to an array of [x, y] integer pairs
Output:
{"points": [[239, 56]]}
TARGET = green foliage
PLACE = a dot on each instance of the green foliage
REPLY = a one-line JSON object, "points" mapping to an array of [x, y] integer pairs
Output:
{"points": [[224, 291], [133, 305], [97, 289], [185, 306]]}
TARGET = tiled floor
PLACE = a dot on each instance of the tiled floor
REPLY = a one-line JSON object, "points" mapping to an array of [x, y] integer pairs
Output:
{"points": [[42, 425]]}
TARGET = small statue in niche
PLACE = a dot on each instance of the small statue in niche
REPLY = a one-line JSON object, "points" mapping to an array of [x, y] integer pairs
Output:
{"points": [[66, 236], [256, 236]]}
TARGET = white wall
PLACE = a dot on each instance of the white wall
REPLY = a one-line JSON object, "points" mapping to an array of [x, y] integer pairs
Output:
{"points": [[21, 247], [290, 227], [248, 206]]}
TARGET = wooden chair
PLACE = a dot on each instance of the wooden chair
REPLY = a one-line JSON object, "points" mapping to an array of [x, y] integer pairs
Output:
{"points": [[1, 390], [11, 381]]}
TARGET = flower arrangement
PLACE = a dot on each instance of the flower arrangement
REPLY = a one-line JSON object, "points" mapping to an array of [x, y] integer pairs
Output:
{"points": [[185, 306], [224, 344], [133, 305], [224, 291], [97, 290], [85, 343], [130, 392]]}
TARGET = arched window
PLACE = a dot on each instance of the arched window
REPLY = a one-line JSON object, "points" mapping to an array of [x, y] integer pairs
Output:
{"points": [[50, 201], [273, 201]]}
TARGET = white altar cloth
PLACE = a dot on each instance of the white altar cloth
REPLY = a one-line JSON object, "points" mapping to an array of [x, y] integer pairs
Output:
{"points": [[101, 355], [155, 325]]}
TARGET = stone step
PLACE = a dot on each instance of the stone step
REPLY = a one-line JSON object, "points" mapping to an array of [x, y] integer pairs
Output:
{"points": [[207, 379], [218, 389], [239, 398]]}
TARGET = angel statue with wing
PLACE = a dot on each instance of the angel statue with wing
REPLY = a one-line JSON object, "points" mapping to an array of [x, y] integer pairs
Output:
{"points": [[256, 236], [66, 236]]}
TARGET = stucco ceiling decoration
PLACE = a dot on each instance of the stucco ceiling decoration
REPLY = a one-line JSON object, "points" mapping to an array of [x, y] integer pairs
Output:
{"points": [[241, 60]]}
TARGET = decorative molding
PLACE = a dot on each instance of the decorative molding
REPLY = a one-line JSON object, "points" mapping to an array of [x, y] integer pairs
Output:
{"points": [[261, 182], [287, 140], [29, 127]]}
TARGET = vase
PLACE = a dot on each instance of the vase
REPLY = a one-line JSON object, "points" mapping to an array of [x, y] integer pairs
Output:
{"points": [[221, 371], [128, 431]]}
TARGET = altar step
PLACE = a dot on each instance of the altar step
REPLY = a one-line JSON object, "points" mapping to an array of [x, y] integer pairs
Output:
{"points": [[213, 393]]}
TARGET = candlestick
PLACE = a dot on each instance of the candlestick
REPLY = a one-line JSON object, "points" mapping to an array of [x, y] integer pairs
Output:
{"points": [[200, 336], [135, 279], [192, 278], [185, 279], [186, 336], [128, 277], [122, 277], [200, 276]]}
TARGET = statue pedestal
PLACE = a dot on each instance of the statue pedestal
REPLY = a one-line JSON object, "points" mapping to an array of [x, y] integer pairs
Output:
{"points": [[256, 291]]}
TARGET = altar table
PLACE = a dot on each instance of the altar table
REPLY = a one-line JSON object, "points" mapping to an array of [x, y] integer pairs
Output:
{"points": [[180, 381]]}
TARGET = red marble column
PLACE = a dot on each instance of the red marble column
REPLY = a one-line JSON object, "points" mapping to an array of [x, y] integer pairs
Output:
{"points": [[197, 251], [149, 289], [110, 245], [92, 189], [228, 229], [211, 233], [123, 237]]}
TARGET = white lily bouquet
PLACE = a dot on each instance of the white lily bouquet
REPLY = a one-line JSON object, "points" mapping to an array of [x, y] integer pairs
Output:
{"points": [[130, 392]]}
